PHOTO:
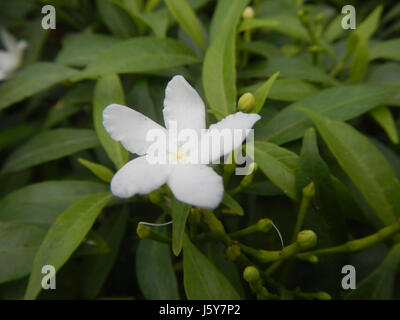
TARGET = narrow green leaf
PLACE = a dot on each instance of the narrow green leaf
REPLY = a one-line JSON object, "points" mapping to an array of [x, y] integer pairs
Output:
{"points": [[64, 237], [381, 283], [180, 213], [186, 17], [261, 94], [31, 80], [219, 73], [50, 145], [201, 279], [42, 202], [278, 164], [98, 170], [384, 117], [154, 271], [339, 103], [363, 163], [97, 268], [108, 90], [232, 204], [359, 65], [138, 55]]}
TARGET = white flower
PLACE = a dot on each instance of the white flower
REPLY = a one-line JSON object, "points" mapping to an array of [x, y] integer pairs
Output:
{"points": [[192, 183], [11, 58]]}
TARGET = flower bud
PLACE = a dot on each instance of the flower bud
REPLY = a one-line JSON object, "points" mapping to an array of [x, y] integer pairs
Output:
{"points": [[264, 225], [246, 102], [306, 239], [232, 252], [143, 231], [248, 13], [155, 197], [251, 274], [323, 296], [309, 190]]}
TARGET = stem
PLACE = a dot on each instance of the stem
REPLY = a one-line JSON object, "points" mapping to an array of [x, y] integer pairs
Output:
{"points": [[358, 244], [307, 194]]}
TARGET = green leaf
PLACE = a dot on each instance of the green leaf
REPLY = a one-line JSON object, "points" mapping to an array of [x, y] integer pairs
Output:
{"points": [[108, 90], [180, 213], [264, 49], [18, 245], [289, 89], [116, 19], [14, 135], [232, 204], [339, 103], [50, 145], [64, 236], [359, 65], [97, 268], [219, 73], [370, 24], [98, 170], [363, 163], [380, 284], [42, 202], [79, 49], [389, 49], [31, 80], [186, 17], [92, 244], [139, 55], [278, 164], [384, 117], [201, 279], [288, 68], [154, 271], [261, 94], [328, 220]]}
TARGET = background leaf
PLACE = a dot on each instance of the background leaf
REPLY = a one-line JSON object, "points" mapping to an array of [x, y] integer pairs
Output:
{"points": [[50, 145], [202, 280], [64, 237]]}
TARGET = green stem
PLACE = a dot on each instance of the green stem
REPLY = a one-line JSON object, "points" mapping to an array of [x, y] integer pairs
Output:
{"points": [[305, 202], [262, 225], [358, 244]]}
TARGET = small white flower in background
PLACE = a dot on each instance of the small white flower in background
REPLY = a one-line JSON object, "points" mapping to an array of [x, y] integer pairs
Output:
{"points": [[193, 183], [11, 58]]}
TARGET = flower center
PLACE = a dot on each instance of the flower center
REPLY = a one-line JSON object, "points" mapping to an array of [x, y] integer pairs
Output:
{"points": [[178, 155]]}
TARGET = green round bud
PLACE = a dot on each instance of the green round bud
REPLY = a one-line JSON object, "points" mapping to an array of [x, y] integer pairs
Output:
{"points": [[248, 13], [251, 274], [232, 252], [155, 197], [264, 225], [313, 259], [309, 190], [246, 102], [306, 239], [323, 296], [143, 231]]}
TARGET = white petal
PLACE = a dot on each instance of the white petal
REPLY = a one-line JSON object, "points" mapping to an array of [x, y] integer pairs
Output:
{"points": [[197, 185], [138, 177], [230, 132], [183, 105], [130, 127]]}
